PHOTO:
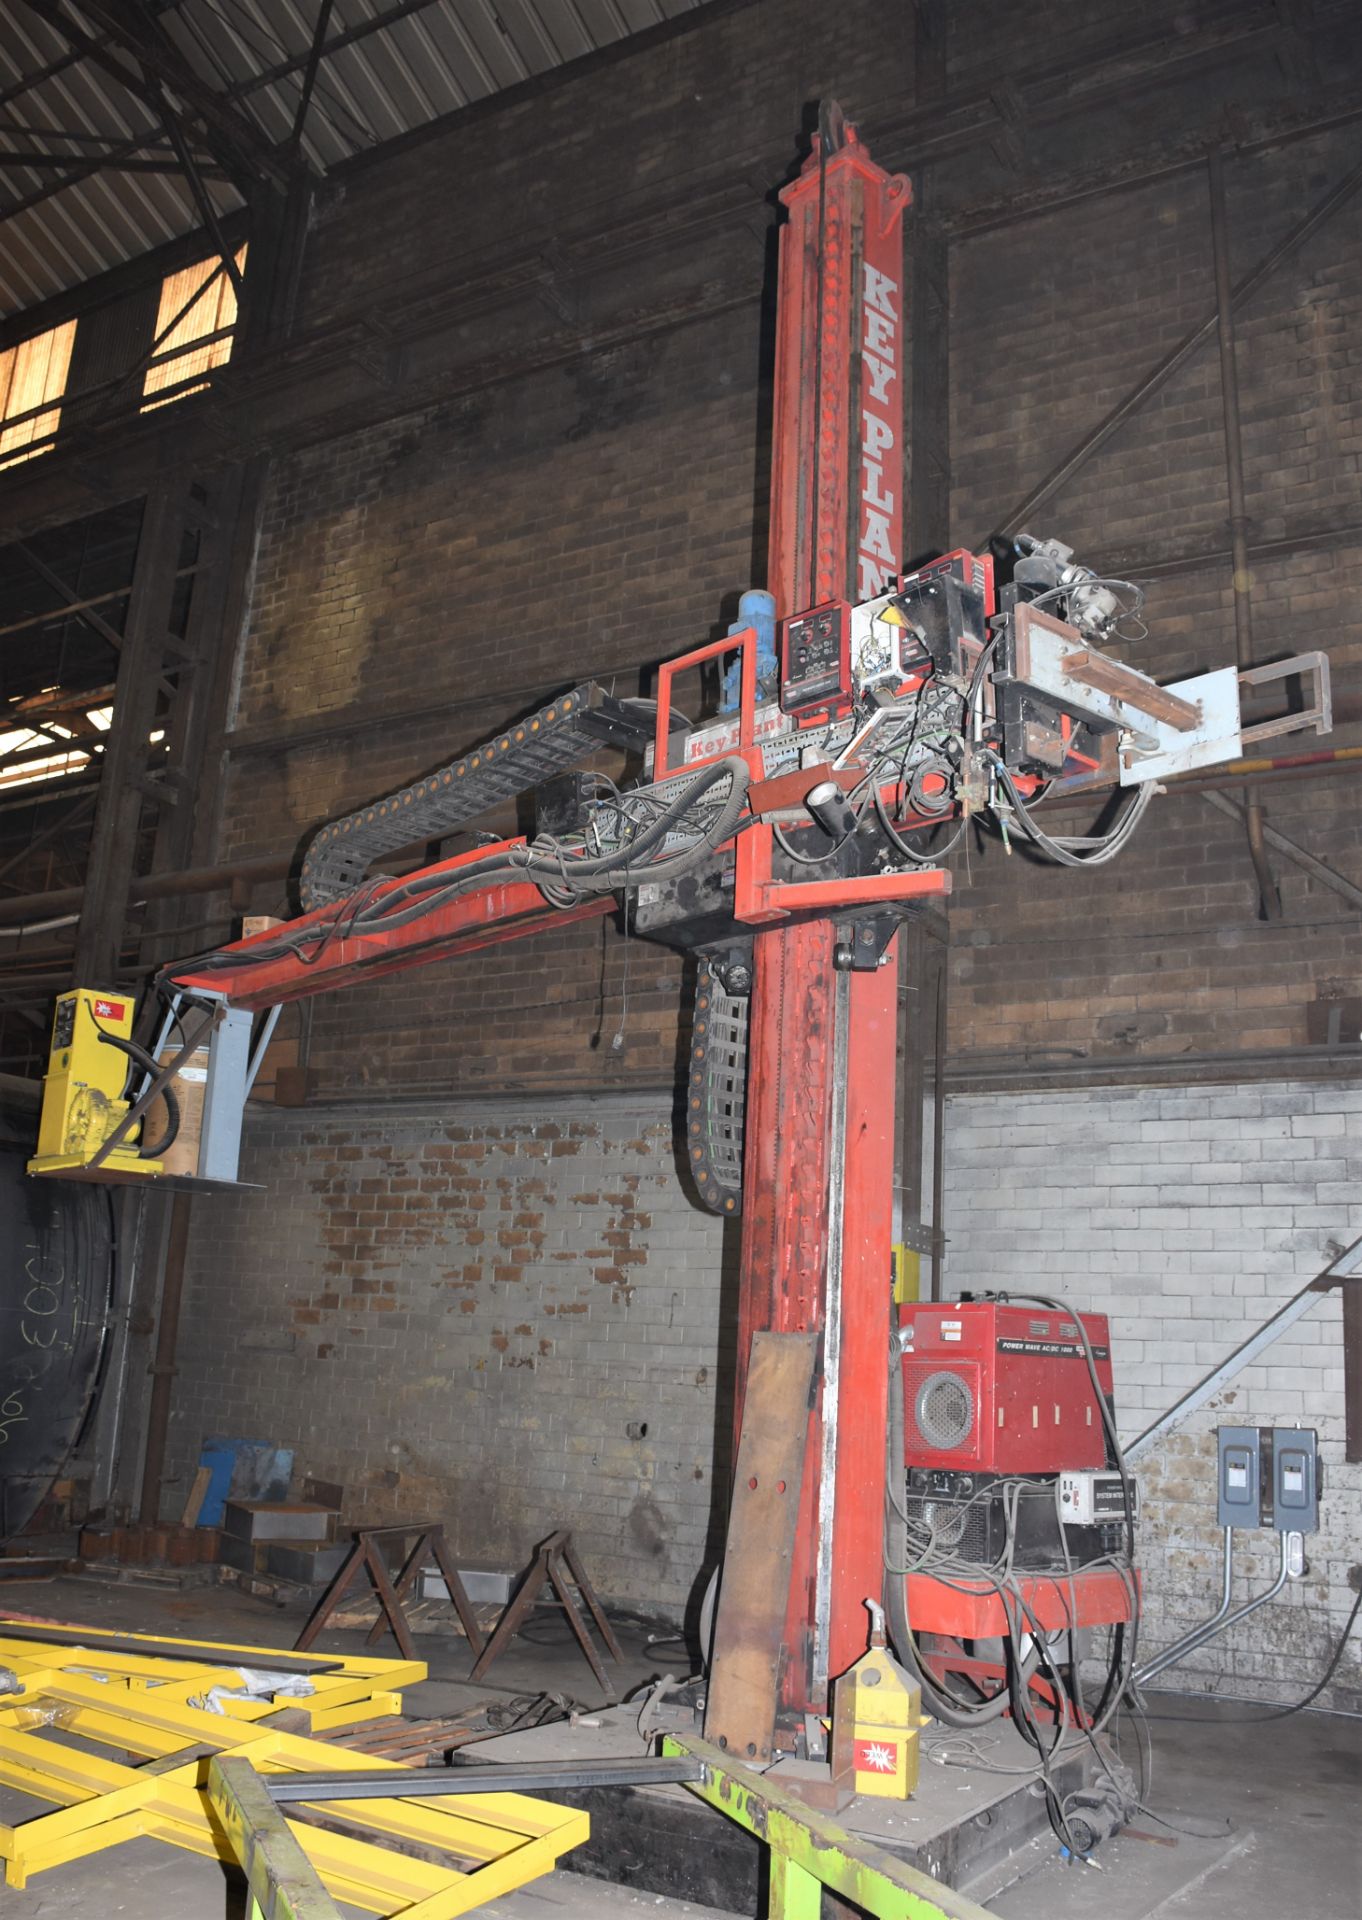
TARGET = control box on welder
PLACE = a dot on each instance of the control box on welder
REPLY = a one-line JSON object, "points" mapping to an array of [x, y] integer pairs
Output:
{"points": [[996, 1388]]}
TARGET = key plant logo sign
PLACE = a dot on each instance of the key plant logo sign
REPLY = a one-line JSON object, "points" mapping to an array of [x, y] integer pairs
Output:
{"points": [[877, 549]]}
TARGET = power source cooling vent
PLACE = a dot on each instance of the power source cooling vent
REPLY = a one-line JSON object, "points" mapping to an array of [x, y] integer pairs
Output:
{"points": [[943, 1409]]}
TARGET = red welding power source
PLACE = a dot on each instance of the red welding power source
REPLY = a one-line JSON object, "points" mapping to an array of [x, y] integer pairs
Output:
{"points": [[1001, 1389]]}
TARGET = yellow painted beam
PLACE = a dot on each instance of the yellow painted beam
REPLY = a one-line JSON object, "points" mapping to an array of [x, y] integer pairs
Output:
{"points": [[139, 1703]]}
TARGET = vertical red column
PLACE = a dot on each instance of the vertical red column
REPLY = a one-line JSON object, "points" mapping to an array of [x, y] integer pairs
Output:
{"points": [[856, 1572], [837, 476], [820, 1112]]}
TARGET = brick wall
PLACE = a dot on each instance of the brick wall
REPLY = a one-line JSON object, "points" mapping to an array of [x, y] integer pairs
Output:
{"points": [[669, 118], [1053, 321], [479, 1314], [472, 1312], [1189, 1217], [457, 564]]}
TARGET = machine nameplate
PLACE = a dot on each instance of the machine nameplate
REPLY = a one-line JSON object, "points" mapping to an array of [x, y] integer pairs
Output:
{"points": [[1062, 1349]]}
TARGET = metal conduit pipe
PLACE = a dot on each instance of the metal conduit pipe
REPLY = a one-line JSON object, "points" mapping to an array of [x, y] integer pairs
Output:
{"points": [[1234, 481], [1219, 1620], [163, 1366], [1174, 1653], [20, 907], [938, 1289]]}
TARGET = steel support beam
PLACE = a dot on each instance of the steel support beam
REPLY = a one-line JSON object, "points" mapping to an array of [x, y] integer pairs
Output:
{"points": [[1344, 1271], [500, 1776], [1299, 856], [198, 682], [61, 162], [114, 840], [1352, 1374], [235, 138], [155, 886], [84, 610], [208, 213], [310, 72]]}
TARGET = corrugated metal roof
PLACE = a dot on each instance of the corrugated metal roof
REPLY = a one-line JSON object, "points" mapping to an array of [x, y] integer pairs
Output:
{"points": [[389, 66]]}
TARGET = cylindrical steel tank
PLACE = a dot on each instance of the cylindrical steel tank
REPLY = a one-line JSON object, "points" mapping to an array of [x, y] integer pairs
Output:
{"points": [[56, 1291]]}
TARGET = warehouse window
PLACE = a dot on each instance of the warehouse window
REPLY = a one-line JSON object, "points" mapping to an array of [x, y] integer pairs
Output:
{"points": [[34, 754], [32, 376], [197, 316]]}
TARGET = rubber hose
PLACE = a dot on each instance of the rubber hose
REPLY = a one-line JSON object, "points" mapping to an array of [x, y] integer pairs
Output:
{"points": [[141, 1058], [950, 1712]]}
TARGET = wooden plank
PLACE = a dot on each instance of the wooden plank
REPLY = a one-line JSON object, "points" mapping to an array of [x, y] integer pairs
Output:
{"points": [[754, 1594], [198, 1493], [1124, 684]]}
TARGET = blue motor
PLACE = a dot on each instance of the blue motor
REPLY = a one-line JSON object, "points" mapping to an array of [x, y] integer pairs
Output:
{"points": [[756, 608]]}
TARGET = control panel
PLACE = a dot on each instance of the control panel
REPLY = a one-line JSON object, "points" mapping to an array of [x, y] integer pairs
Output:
{"points": [[1093, 1498], [815, 661]]}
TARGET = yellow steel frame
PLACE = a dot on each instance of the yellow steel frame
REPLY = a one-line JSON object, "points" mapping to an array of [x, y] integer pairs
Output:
{"points": [[138, 1704]]}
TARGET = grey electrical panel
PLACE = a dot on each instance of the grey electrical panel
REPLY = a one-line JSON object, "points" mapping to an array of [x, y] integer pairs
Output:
{"points": [[1239, 1484], [1295, 1479]]}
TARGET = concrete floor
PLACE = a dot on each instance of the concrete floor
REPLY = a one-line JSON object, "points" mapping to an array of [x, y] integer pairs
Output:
{"points": [[1274, 1805]]}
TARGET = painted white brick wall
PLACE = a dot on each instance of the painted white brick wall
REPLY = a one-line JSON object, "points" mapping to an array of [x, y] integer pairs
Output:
{"points": [[1189, 1216], [509, 1319], [417, 1307]]}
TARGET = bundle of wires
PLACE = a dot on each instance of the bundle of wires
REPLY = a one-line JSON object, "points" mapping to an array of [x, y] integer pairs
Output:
{"points": [[704, 813], [894, 756], [1029, 1648], [1127, 598], [1069, 850]]}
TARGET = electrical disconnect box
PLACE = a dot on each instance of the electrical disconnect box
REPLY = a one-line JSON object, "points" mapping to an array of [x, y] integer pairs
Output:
{"points": [[1295, 1479], [1239, 1480], [1268, 1477]]}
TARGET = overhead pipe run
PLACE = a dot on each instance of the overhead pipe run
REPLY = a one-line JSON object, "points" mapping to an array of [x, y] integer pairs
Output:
{"points": [[157, 886]]}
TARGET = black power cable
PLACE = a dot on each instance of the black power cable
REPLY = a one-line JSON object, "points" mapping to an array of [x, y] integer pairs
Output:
{"points": [[1298, 1706], [562, 875], [1103, 1408], [141, 1058]]}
